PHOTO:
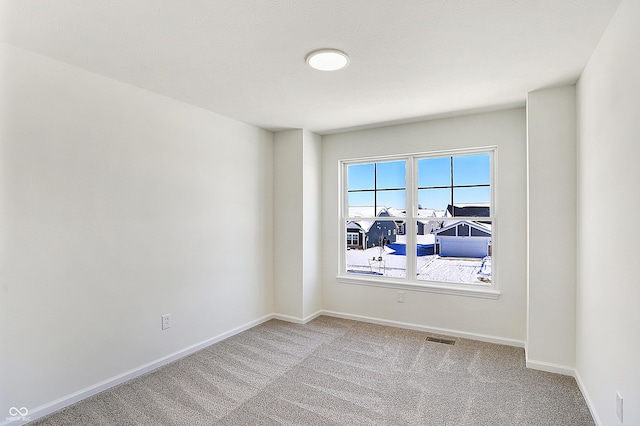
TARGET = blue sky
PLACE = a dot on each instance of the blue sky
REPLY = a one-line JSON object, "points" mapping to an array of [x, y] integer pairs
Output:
{"points": [[436, 171]]}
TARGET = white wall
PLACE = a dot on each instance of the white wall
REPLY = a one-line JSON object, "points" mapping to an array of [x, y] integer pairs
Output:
{"points": [[297, 232], [551, 153], [608, 290], [288, 223], [503, 318], [311, 224], [118, 206]]}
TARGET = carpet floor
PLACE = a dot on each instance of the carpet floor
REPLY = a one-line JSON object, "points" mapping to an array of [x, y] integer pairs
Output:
{"points": [[336, 371]]}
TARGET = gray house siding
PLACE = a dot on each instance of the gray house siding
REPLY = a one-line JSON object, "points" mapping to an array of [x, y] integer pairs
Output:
{"points": [[382, 231], [463, 239], [378, 233]]}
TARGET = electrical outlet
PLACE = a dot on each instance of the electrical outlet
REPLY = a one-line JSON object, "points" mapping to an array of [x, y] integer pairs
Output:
{"points": [[400, 297], [166, 321], [619, 406]]}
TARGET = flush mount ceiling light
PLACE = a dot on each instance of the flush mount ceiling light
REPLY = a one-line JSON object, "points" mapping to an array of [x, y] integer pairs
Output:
{"points": [[327, 59]]}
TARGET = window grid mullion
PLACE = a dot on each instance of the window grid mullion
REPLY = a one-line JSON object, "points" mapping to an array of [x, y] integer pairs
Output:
{"points": [[480, 185], [451, 182], [411, 189], [410, 227], [375, 189]]}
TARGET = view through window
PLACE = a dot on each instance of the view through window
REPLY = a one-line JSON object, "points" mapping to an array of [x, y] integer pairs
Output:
{"points": [[424, 218]]}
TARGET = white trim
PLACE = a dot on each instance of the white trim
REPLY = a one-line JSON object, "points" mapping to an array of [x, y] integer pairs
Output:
{"points": [[411, 213], [289, 318], [587, 399], [422, 154], [87, 392], [550, 367], [436, 330], [428, 286], [312, 316], [411, 282]]}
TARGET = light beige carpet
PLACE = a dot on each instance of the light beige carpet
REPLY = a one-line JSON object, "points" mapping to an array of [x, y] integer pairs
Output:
{"points": [[334, 371]]}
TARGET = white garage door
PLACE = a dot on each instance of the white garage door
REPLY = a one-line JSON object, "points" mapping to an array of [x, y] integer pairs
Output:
{"points": [[463, 246]]}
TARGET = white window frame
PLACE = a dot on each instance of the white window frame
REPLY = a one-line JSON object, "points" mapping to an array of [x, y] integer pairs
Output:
{"points": [[352, 234], [411, 282]]}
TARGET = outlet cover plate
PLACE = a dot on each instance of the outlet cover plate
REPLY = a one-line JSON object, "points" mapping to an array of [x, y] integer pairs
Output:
{"points": [[619, 406], [166, 321]]}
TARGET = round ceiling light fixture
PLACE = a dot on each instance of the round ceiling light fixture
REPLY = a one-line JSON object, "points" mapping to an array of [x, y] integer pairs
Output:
{"points": [[327, 59]]}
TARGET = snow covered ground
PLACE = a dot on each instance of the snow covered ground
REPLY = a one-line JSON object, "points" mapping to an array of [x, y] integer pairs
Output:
{"points": [[420, 239], [455, 269], [431, 268], [366, 261]]}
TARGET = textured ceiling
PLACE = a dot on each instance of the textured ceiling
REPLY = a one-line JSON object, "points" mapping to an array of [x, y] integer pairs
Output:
{"points": [[244, 59]]}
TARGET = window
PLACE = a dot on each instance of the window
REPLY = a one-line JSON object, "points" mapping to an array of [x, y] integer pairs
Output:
{"points": [[352, 238], [424, 220], [376, 197]]}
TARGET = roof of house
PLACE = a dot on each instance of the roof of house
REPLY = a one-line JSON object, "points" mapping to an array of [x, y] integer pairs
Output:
{"points": [[365, 211], [469, 210], [478, 225], [431, 214], [378, 211]]}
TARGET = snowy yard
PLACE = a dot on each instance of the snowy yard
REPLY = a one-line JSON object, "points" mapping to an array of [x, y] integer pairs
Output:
{"points": [[366, 261], [454, 269], [429, 268]]}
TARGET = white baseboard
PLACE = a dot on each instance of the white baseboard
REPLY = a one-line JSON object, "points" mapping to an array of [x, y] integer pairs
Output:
{"points": [[295, 320], [67, 400], [551, 368], [313, 316], [436, 330], [587, 399], [288, 318]]}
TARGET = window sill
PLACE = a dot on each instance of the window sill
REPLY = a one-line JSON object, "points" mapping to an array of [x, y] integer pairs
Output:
{"points": [[431, 286]]}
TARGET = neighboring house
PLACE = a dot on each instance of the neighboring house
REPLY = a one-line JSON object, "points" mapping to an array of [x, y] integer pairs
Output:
{"points": [[365, 234], [356, 235], [430, 223], [401, 225], [475, 210], [464, 239]]}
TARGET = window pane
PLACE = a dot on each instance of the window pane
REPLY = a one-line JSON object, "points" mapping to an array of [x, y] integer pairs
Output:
{"points": [[377, 189], [391, 175], [425, 239], [434, 172], [361, 199], [392, 202], [434, 199], [457, 252], [360, 176], [472, 169], [378, 249]]}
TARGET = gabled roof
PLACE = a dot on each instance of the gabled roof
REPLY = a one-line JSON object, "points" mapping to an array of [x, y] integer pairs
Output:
{"points": [[469, 210], [365, 211], [485, 227], [431, 214], [379, 211], [363, 225]]}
